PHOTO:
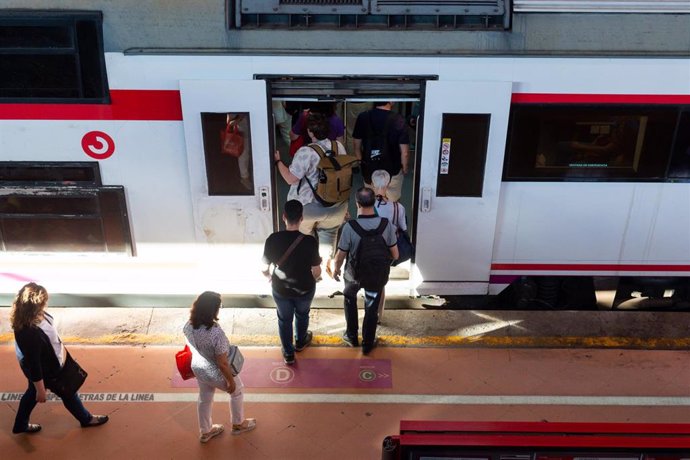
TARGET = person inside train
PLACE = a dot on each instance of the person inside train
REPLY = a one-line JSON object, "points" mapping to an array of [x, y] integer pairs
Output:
{"points": [[299, 135], [42, 356], [210, 348], [318, 219], [381, 141]]}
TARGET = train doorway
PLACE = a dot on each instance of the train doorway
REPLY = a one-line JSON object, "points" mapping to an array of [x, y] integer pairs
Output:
{"points": [[343, 100]]}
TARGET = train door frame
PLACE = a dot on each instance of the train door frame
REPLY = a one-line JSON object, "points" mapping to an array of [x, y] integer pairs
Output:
{"points": [[350, 88]]}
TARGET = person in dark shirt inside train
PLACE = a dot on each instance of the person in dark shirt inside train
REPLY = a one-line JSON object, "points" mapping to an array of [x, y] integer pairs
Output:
{"points": [[41, 355], [381, 141], [296, 267]]}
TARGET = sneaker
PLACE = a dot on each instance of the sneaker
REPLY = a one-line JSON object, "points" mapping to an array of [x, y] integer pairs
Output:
{"points": [[215, 431], [30, 428], [289, 359], [96, 420], [366, 349], [248, 425], [307, 341], [349, 341]]}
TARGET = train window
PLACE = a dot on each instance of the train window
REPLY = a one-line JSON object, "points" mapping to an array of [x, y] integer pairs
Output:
{"points": [[589, 143], [680, 162], [49, 219], [228, 153], [52, 56], [49, 173], [464, 140]]}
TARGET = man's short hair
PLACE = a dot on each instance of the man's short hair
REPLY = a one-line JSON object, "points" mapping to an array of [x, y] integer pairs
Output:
{"points": [[382, 103], [293, 211], [380, 179], [365, 197], [319, 125]]}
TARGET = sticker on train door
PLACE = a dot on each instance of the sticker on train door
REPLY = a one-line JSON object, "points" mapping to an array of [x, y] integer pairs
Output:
{"points": [[445, 155]]}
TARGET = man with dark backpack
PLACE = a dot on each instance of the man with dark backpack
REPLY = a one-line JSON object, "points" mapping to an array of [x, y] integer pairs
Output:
{"points": [[369, 245], [381, 141]]}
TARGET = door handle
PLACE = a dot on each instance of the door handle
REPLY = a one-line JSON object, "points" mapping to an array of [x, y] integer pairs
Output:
{"points": [[426, 199], [264, 201]]}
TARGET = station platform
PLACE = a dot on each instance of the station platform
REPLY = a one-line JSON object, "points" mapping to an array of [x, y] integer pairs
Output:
{"points": [[336, 404]]}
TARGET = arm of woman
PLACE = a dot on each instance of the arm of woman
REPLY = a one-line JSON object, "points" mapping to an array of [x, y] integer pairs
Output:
{"points": [[224, 366], [40, 391]]}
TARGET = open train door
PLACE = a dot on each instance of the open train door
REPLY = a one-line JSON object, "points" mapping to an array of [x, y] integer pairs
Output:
{"points": [[229, 177], [465, 126]]}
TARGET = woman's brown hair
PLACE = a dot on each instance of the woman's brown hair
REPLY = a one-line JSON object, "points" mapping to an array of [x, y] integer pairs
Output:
{"points": [[28, 305], [205, 309]]}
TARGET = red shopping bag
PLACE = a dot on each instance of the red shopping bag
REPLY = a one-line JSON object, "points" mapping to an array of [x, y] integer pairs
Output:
{"points": [[231, 140], [184, 363]]}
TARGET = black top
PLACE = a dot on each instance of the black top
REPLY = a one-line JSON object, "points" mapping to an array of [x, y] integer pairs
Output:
{"points": [[293, 278], [39, 357], [397, 135]]}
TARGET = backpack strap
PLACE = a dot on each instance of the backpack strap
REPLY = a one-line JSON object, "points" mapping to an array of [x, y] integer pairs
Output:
{"points": [[362, 233]]}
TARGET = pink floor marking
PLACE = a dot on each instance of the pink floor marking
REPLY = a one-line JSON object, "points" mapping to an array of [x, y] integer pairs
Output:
{"points": [[310, 373]]}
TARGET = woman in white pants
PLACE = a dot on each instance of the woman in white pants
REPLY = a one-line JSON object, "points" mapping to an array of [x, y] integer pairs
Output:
{"points": [[210, 347]]}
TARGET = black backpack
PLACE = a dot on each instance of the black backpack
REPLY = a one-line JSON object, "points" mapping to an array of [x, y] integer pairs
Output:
{"points": [[375, 153], [372, 264]]}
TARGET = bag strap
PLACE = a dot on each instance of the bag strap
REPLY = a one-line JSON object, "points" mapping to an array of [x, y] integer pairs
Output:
{"points": [[361, 232], [289, 250], [396, 220]]}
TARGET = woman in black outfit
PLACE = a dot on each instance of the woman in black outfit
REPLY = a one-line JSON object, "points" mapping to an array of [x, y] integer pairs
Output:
{"points": [[41, 354]]}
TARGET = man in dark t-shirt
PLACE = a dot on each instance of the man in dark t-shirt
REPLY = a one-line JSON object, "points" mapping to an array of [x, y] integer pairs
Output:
{"points": [[381, 141], [296, 267]]}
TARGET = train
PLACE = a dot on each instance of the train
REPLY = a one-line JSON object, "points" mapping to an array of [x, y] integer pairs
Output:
{"points": [[532, 175]]}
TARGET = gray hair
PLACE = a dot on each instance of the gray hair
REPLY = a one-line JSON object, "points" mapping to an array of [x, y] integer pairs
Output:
{"points": [[380, 179]]}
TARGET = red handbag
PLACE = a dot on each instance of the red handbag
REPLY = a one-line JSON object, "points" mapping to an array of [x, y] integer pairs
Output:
{"points": [[299, 142], [231, 140], [296, 145], [184, 363]]}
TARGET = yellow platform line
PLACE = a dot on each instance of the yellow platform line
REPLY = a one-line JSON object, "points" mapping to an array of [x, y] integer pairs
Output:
{"points": [[682, 343]]}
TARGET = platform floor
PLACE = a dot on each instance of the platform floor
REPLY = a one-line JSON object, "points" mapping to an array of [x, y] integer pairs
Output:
{"points": [[337, 412]]}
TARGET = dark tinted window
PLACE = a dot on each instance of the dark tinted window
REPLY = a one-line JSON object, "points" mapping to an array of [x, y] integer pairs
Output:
{"points": [[227, 174], [680, 162], [589, 143], [52, 55], [464, 139], [80, 219], [24, 172]]}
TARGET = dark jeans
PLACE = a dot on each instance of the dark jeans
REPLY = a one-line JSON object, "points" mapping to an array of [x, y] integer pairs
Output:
{"points": [[372, 299], [28, 402], [287, 308]]}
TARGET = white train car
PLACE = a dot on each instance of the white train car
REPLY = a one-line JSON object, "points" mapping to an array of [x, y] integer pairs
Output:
{"points": [[541, 167]]}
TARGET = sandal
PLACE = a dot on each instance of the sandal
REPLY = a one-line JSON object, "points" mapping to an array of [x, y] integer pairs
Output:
{"points": [[96, 420], [215, 431], [248, 425]]}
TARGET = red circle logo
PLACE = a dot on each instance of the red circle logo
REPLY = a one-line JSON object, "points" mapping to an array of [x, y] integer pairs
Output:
{"points": [[98, 145]]}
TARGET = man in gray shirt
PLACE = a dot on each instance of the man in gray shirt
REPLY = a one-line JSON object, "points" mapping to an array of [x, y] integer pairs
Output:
{"points": [[348, 247]]}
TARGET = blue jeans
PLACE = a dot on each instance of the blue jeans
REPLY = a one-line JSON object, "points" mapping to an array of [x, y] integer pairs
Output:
{"points": [[28, 402], [372, 299], [287, 308]]}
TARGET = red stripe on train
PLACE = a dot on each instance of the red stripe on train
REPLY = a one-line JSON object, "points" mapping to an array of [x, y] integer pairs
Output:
{"points": [[550, 98], [592, 267], [126, 104]]}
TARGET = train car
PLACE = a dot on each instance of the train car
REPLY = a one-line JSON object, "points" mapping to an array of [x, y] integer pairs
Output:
{"points": [[540, 172]]}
